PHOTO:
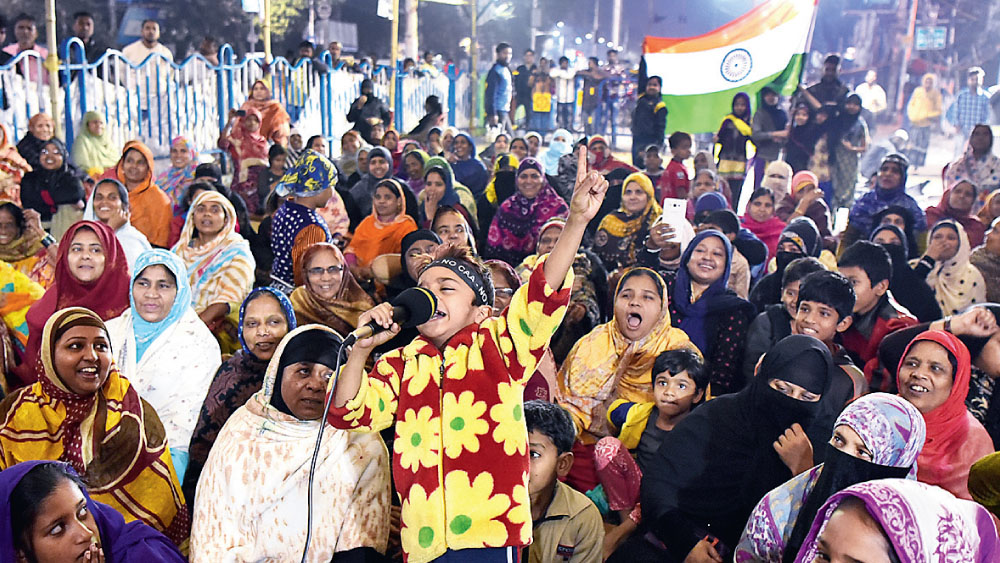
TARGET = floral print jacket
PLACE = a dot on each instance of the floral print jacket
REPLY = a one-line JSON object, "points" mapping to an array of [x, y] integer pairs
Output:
{"points": [[460, 460]]}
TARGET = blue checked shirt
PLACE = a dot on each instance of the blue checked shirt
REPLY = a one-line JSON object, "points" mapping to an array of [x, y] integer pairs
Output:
{"points": [[969, 109]]}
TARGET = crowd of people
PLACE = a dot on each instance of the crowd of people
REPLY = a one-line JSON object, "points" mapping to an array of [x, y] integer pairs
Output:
{"points": [[599, 379]]}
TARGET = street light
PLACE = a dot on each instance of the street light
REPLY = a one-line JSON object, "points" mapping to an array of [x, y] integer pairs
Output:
{"points": [[600, 40], [578, 40], [560, 24], [589, 36]]}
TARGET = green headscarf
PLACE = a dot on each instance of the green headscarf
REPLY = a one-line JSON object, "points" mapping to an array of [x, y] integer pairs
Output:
{"points": [[94, 153]]}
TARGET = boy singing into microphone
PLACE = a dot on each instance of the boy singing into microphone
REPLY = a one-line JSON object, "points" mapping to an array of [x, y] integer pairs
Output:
{"points": [[455, 393]]}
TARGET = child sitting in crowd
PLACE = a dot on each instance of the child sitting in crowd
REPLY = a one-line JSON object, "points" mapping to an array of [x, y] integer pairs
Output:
{"points": [[567, 525]]}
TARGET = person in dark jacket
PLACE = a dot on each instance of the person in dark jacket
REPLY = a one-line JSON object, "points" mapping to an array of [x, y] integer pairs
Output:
{"points": [[649, 121], [368, 110], [499, 90]]}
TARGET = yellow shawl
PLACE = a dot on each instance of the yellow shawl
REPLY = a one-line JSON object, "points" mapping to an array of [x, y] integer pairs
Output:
{"points": [[125, 462], [605, 365]]}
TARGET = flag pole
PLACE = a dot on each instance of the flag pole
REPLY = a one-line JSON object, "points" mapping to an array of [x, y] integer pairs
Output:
{"points": [[809, 40]]}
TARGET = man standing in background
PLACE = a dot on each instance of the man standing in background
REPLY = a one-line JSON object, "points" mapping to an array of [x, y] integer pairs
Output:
{"points": [[522, 85], [970, 108], [500, 90], [873, 101], [649, 121]]}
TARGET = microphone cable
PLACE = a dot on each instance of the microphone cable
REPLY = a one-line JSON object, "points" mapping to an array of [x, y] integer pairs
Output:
{"points": [[315, 456]]}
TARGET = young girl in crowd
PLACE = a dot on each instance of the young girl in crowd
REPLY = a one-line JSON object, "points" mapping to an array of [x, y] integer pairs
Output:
{"points": [[732, 137], [108, 204]]}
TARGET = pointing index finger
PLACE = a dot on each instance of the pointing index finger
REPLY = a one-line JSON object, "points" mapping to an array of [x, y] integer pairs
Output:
{"points": [[581, 164]]}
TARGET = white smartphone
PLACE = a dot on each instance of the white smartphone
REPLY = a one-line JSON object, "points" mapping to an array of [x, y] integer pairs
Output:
{"points": [[674, 212]]}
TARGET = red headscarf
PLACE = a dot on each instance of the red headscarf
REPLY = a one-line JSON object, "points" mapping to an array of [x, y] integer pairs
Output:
{"points": [[974, 228], [604, 163], [955, 440], [107, 296], [275, 123]]}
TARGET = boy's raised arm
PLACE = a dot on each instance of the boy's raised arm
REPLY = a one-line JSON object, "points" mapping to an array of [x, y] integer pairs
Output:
{"points": [[588, 194]]}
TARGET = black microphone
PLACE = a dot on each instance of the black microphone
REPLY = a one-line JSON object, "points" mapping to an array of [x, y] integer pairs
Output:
{"points": [[412, 307]]}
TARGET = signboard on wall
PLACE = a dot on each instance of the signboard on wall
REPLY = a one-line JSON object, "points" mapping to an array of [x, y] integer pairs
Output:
{"points": [[930, 37]]}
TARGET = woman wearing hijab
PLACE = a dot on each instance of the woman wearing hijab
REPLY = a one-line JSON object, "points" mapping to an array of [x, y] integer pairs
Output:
{"points": [[502, 185], [802, 138], [274, 120], [270, 441], [183, 162], [761, 220], [957, 203], [94, 151], [987, 259], [91, 272], [150, 206], [769, 130], [391, 142], [799, 238], [700, 500], [164, 349], [908, 287], [414, 162], [23, 244], [53, 190], [513, 234], [383, 230], [13, 167], [41, 128], [778, 177], [806, 199], [924, 110], [560, 145], [900, 217], [266, 316], [848, 141], [978, 165], [326, 291], [219, 263], [876, 437], [732, 137], [900, 520], [934, 375], [108, 204], [615, 361], [600, 158], [991, 208], [948, 270], [440, 189], [97, 423], [248, 148], [712, 315], [33, 491], [469, 170], [350, 144], [623, 232], [380, 165], [889, 189], [414, 249]]}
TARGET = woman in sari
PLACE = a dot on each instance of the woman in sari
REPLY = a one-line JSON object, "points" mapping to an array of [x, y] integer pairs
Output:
{"points": [[41, 128], [513, 234], [219, 263], [732, 137], [270, 441], [327, 292], [150, 207], [94, 419], [934, 375], [248, 148], [164, 349], [615, 361], [13, 167], [94, 151], [183, 161], [900, 520], [957, 203], [382, 231], [33, 492], [23, 244], [625, 229], [91, 272], [876, 437], [274, 120], [948, 269], [108, 204], [53, 189], [266, 316]]}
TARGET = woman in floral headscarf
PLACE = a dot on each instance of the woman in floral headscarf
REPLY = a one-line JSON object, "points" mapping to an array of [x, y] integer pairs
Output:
{"points": [[248, 147], [891, 433], [183, 161], [513, 234]]}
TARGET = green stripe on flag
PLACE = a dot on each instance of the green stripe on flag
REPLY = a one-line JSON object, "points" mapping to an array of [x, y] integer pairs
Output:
{"points": [[703, 113]]}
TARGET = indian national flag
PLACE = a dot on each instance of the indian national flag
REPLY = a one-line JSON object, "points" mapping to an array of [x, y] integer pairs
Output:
{"points": [[701, 74]]}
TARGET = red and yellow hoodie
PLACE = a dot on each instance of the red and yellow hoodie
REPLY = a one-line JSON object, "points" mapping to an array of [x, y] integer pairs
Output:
{"points": [[461, 449]]}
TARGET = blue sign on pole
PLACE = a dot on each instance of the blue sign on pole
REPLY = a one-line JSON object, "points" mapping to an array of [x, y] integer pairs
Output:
{"points": [[251, 6]]}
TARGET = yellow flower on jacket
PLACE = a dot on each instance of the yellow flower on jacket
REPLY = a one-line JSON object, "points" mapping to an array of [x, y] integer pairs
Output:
{"points": [[520, 513], [418, 439], [463, 425], [428, 512], [419, 378], [478, 508], [509, 416]]}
